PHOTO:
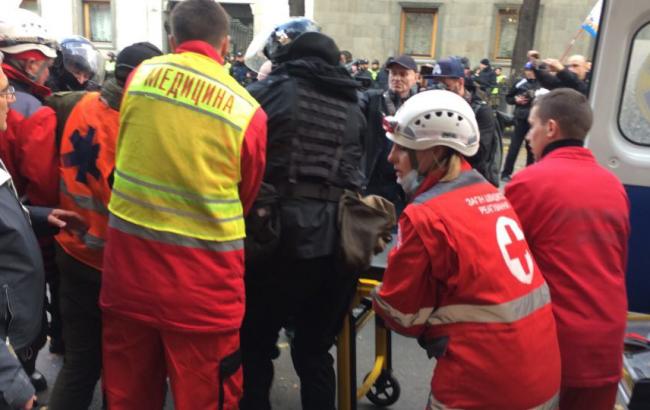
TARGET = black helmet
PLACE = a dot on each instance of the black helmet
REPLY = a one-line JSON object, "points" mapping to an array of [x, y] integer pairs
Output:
{"points": [[271, 44], [287, 32], [79, 65]]}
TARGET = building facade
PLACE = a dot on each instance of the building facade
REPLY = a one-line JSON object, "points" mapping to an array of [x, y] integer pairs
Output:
{"points": [[115, 24], [367, 28], [431, 30]]}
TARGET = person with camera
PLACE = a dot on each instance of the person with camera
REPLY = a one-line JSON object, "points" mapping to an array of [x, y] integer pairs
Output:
{"points": [[552, 74], [315, 128], [521, 95]]}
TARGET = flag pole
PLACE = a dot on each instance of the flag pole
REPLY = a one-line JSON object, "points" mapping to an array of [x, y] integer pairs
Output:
{"points": [[571, 44]]}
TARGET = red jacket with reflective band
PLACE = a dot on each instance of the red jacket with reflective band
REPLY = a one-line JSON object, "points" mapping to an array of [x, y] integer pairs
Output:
{"points": [[575, 215], [461, 269], [173, 286], [87, 161]]}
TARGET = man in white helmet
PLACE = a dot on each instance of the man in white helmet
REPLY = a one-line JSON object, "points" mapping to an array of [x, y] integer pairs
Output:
{"points": [[461, 277], [27, 146]]}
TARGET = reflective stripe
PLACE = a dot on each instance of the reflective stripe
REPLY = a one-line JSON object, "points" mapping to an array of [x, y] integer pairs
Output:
{"points": [[183, 194], [85, 202], [551, 404], [172, 238], [404, 319], [191, 215], [93, 242], [508, 312], [465, 179]]}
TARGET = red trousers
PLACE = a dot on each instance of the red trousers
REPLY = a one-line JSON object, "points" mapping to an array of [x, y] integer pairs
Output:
{"points": [[592, 398], [204, 368]]}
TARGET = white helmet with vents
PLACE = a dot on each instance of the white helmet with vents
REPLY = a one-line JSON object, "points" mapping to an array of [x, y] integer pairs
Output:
{"points": [[432, 118], [22, 30]]}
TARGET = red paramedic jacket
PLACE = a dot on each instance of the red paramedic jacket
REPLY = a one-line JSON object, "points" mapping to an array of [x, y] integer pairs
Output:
{"points": [[461, 269], [575, 215], [216, 301], [28, 146]]}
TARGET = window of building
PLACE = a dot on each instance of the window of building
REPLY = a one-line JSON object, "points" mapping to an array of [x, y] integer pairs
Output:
{"points": [[31, 5], [418, 32], [98, 21], [506, 32], [634, 116]]}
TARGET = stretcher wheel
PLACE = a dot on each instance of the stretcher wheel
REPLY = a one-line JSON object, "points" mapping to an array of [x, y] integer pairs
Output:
{"points": [[385, 391]]}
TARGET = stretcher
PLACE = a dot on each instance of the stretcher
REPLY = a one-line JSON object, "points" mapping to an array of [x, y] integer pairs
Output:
{"points": [[634, 388], [379, 385]]}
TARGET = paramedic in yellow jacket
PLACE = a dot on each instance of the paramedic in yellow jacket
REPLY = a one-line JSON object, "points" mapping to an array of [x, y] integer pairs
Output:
{"points": [[189, 161]]}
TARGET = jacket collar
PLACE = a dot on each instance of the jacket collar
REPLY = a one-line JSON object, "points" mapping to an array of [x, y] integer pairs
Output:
{"points": [[200, 47], [23, 83], [435, 177], [561, 144]]}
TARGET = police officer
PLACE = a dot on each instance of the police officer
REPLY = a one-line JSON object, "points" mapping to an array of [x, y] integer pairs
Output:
{"points": [[315, 126], [78, 66]]}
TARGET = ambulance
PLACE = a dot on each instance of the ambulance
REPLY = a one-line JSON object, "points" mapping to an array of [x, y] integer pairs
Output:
{"points": [[620, 139]]}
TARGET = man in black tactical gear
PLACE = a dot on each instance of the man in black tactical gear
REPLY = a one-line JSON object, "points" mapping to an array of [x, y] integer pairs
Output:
{"points": [[314, 148]]}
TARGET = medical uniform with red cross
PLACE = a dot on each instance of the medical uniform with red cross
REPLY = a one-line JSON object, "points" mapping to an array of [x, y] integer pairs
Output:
{"points": [[461, 277]]}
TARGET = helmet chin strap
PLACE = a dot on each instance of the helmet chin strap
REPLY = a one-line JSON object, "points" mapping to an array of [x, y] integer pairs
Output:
{"points": [[437, 163]]}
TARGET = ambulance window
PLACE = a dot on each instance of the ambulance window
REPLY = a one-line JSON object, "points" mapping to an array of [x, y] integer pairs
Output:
{"points": [[634, 117]]}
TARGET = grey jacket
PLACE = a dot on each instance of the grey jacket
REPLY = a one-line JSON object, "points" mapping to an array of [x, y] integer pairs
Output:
{"points": [[22, 287]]}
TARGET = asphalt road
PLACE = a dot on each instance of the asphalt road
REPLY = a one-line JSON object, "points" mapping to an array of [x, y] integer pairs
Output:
{"points": [[411, 368]]}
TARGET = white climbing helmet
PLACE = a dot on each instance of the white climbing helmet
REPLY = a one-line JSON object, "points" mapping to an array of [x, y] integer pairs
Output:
{"points": [[432, 118], [22, 30]]}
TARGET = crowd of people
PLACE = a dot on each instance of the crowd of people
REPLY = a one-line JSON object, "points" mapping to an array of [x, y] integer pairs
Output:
{"points": [[181, 220]]}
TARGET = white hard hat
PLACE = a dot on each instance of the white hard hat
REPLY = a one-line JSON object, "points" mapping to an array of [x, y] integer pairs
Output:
{"points": [[22, 30], [432, 118]]}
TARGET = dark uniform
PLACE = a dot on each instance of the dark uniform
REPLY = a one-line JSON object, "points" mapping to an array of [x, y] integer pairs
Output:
{"points": [[313, 153], [380, 174], [523, 87]]}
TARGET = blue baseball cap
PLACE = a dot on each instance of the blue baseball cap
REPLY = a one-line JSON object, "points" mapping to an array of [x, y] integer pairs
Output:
{"points": [[449, 67]]}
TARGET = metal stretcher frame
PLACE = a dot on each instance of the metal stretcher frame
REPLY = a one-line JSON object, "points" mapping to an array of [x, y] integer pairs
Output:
{"points": [[630, 374], [380, 377]]}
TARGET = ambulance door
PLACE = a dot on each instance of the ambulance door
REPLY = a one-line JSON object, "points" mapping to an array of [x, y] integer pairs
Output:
{"points": [[620, 137]]}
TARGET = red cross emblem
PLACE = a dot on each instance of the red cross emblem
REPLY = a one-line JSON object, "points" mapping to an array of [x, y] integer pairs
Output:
{"points": [[514, 249]]}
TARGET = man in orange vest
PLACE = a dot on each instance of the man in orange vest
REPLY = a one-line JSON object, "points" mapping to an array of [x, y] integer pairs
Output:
{"points": [[87, 162], [461, 277], [189, 163]]}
